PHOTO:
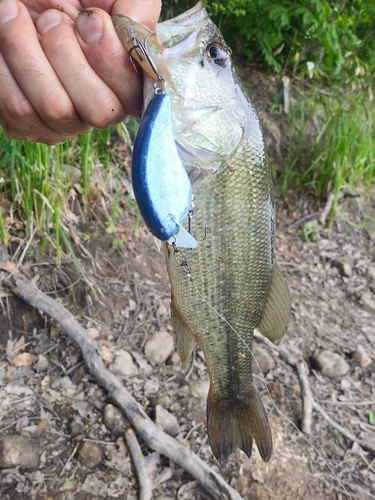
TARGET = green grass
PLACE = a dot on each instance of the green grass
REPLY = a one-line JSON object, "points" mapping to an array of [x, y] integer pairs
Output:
{"points": [[331, 141], [37, 181]]}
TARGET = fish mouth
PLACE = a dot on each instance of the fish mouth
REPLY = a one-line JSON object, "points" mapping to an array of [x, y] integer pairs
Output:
{"points": [[135, 39], [166, 35]]}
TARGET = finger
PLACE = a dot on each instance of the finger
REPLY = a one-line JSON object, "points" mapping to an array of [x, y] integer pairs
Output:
{"points": [[145, 12], [17, 117], [94, 101], [69, 7], [108, 58], [31, 70]]}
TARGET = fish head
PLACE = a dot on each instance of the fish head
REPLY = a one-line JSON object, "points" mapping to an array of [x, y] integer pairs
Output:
{"points": [[192, 58]]}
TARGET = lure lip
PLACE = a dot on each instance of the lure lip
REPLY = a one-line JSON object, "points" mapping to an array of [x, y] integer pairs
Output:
{"points": [[126, 30]]}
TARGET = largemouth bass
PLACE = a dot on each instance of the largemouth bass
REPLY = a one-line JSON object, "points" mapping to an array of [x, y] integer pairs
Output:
{"points": [[230, 284]]}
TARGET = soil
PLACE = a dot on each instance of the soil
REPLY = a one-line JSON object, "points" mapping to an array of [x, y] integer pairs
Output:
{"points": [[121, 296]]}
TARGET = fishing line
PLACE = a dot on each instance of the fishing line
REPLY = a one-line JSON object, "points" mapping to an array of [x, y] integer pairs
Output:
{"points": [[266, 385]]}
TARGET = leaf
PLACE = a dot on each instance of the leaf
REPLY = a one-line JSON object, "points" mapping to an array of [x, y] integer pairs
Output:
{"points": [[371, 417], [24, 359]]}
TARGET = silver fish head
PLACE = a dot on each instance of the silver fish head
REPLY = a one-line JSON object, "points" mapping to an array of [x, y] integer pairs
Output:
{"points": [[192, 57]]}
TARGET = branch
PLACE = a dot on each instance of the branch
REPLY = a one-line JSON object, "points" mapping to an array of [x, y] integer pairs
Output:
{"points": [[308, 400], [145, 489], [154, 437]]}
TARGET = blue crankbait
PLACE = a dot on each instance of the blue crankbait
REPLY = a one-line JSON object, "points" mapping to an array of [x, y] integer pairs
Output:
{"points": [[161, 185]]}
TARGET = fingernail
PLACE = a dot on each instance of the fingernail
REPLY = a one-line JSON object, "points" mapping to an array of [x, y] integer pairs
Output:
{"points": [[48, 20], [8, 11], [89, 25]]}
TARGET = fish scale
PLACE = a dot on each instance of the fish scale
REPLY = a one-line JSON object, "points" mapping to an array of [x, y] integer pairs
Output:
{"points": [[230, 283]]}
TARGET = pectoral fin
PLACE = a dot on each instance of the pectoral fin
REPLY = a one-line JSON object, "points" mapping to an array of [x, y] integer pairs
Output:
{"points": [[183, 338], [275, 319]]}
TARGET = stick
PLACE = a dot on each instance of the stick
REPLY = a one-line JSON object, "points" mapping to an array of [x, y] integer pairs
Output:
{"points": [[154, 437], [308, 400], [307, 397], [145, 488]]}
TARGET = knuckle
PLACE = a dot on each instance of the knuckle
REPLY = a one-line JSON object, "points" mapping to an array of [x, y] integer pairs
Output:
{"points": [[17, 107]]}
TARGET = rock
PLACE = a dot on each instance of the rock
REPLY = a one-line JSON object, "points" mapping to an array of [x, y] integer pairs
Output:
{"points": [[265, 360], [42, 364], [94, 486], [123, 365], [151, 387], [76, 427], [368, 299], [143, 364], [345, 269], [90, 455], [369, 331], [362, 356], [18, 451], [166, 421], [114, 420], [160, 347], [200, 392], [331, 364]]}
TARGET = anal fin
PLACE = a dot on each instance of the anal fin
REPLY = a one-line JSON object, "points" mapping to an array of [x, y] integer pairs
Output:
{"points": [[183, 338], [276, 314], [236, 424]]}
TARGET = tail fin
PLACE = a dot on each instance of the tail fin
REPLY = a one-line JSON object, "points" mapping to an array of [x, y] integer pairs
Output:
{"points": [[235, 424]]}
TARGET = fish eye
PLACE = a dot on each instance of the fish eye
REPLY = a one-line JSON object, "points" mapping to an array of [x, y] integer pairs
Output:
{"points": [[217, 53]]}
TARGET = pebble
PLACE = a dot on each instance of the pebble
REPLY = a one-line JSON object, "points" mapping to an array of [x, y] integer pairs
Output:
{"points": [[368, 299], [114, 420], [200, 392], [123, 365], [42, 364], [160, 347], [90, 455], [76, 427], [265, 360], [166, 421], [362, 355], [332, 364], [18, 451]]}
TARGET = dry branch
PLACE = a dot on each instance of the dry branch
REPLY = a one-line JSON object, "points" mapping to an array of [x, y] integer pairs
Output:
{"points": [[308, 400], [145, 489], [154, 437]]}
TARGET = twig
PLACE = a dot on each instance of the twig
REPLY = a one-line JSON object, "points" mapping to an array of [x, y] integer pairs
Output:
{"points": [[145, 488], [342, 430], [154, 437], [69, 459], [307, 397], [326, 209]]}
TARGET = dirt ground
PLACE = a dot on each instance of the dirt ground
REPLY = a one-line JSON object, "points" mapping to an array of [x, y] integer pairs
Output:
{"points": [[122, 298]]}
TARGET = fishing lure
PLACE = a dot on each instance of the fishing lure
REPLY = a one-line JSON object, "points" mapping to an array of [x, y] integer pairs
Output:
{"points": [[161, 185]]}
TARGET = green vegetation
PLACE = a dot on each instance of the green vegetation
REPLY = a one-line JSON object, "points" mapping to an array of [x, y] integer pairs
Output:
{"points": [[38, 184], [335, 35]]}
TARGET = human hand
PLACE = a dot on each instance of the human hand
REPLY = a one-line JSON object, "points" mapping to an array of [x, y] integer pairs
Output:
{"points": [[63, 71]]}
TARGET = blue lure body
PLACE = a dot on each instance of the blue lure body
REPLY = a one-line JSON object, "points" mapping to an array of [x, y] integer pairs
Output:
{"points": [[161, 185]]}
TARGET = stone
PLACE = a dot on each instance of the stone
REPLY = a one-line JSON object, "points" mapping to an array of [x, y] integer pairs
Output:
{"points": [[76, 427], [114, 420], [123, 365], [160, 347], [18, 451], [166, 421], [368, 299], [90, 455], [265, 360], [42, 364], [331, 364]]}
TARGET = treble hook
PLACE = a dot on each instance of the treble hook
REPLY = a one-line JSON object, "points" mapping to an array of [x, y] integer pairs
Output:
{"points": [[137, 44], [190, 223]]}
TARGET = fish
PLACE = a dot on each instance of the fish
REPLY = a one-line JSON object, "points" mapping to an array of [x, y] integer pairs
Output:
{"points": [[230, 283]]}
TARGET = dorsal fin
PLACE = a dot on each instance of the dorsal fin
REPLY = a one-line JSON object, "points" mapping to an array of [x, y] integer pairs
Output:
{"points": [[276, 314]]}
